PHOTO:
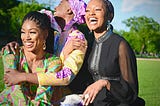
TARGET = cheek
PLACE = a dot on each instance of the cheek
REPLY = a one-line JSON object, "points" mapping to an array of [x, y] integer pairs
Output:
{"points": [[86, 19], [22, 38], [40, 41], [103, 20]]}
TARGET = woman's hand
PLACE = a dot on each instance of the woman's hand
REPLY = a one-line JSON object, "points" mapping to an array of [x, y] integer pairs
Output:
{"points": [[11, 47], [92, 90], [13, 77], [74, 43]]}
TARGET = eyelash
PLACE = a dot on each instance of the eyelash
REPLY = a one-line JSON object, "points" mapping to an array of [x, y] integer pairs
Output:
{"points": [[98, 9], [33, 32], [95, 10], [22, 32]]}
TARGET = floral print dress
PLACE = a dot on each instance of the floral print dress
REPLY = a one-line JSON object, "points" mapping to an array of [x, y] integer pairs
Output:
{"points": [[27, 94]]}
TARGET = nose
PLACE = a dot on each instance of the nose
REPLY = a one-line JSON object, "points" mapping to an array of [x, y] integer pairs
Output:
{"points": [[55, 7], [92, 12], [28, 36]]}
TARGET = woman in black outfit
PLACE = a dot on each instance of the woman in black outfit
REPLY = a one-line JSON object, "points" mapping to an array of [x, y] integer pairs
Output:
{"points": [[112, 61]]}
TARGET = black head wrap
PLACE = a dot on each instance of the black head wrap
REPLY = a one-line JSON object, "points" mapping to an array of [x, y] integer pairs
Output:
{"points": [[110, 9]]}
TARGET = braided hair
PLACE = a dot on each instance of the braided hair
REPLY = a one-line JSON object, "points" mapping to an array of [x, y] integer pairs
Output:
{"points": [[42, 20]]}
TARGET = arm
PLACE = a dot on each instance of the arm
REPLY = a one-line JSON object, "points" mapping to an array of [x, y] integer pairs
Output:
{"points": [[71, 66], [75, 41], [126, 89], [72, 60], [13, 77], [49, 77]]}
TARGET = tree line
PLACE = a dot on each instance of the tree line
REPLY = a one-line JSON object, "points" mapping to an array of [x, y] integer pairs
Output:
{"points": [[143, 34]]}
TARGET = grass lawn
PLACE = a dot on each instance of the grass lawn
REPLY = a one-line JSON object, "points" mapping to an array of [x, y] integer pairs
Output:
{"points": [[149, 81], [149, 78]]}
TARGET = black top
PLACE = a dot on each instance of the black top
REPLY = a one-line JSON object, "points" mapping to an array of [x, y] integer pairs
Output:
{"points": [[113, 59]]}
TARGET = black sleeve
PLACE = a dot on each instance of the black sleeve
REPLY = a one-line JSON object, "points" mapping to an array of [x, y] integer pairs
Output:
{"points": [[126, 90]]}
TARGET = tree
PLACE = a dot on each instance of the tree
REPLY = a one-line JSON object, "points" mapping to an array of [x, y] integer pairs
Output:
{"points": [[4, 16], [17, 14], [144, 34]]}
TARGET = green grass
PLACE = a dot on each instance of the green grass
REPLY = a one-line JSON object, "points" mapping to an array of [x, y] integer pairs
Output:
{"points": [[149, 81]]}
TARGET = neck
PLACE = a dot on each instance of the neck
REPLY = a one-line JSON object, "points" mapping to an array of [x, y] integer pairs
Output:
{"points": [[34, 56], [99, 34], [69, 18], [62, 22]]}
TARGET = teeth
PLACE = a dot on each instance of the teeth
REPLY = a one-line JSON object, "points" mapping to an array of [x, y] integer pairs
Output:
{"points": [[28, 44], [92, 20]]}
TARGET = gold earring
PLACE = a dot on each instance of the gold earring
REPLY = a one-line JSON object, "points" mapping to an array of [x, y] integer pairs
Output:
{"points": [[44, 45]]}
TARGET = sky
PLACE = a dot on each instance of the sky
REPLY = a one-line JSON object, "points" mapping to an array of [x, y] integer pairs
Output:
{"points": [[125, 9]]}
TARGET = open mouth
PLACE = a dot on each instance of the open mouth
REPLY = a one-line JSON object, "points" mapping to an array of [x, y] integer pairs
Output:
{"points": [[93, 20], [28, 44]]}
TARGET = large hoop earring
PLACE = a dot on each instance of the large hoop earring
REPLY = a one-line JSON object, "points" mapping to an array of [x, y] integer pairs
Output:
{"points": [[44, 45]]}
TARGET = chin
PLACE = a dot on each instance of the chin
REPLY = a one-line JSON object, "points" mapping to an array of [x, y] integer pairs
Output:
{"points": [[29, 49], [92, 27]]}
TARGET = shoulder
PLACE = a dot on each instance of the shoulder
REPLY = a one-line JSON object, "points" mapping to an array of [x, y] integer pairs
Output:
{"points": [[117, 36]]}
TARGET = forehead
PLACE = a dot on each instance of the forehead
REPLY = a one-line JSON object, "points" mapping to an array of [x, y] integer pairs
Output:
{"points": [[29, 24], [64, 1], [96, 3]]}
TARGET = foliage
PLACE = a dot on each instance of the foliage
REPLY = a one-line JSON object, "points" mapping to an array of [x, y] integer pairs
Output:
{"points": [[144, 34], [20, 12], [4, 16]]}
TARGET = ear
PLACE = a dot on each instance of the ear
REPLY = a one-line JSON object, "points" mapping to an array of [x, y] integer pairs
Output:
{"points": [[69, 11]]}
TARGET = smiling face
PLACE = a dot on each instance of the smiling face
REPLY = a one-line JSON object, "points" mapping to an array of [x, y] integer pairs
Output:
{"points": [[32, 36], [96, 15]]}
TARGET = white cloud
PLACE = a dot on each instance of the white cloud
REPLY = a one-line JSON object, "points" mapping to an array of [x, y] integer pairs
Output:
{"points": [[129, 5]]}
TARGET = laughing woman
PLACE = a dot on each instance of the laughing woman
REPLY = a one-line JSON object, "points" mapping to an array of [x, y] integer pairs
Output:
{"points": [[112, 62]]}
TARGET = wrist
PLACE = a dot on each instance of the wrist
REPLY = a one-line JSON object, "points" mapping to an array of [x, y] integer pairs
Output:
{"points": [[106, 83], [24, 77]]}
